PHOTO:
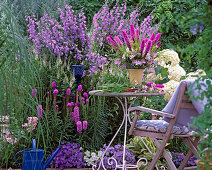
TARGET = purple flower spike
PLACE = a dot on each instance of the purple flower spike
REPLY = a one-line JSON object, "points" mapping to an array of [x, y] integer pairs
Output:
{"points": [[53, 84], [32, 94], [39, 110], [85, 124], [142, 46], [157, 37], [148, 46], [79, 126], [137, 34], [68, 92], [118, 40], [36, 91], [112, 43], [85, 95], [126, 39], [158, 44], [87, 100], [56, 108], [55, 91], [82, 98], [146, 39], [72, 104], [69, 105], [152, 38], [79, 88], [132, 32]]}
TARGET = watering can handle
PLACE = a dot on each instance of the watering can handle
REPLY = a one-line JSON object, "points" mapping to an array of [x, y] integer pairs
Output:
{"points": [[33, 144], [17, 154]]}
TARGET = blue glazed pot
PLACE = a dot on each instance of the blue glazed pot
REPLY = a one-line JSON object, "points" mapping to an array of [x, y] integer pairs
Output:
{"points": [[78, 73]]}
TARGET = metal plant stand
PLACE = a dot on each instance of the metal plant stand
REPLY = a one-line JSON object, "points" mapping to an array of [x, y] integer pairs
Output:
{"points": [[122, 98]]}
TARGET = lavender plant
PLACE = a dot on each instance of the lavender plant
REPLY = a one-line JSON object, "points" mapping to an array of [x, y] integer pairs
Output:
{"points": [[117, 153], [66, 38], [70, 155]]}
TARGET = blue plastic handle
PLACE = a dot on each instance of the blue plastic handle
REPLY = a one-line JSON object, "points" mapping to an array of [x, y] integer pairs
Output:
{"points": [[17, 154], [33, 144]]}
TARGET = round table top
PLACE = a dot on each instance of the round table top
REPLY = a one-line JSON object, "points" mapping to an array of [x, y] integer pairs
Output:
{"points": [[125, 94]]}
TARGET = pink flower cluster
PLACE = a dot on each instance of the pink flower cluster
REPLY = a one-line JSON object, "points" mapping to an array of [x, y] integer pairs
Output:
{"points": [[152, 87], [8, 136], [32, 123]]}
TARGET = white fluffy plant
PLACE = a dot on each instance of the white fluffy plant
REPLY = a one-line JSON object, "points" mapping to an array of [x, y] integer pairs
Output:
{"points": [[91, 158], [169, 60]]}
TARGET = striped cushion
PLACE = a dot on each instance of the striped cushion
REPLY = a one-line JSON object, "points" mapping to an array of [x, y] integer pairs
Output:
{"points": [[159, 126]]}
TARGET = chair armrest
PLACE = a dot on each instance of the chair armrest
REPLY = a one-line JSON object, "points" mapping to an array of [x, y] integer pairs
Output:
{"points": [[152, 111]]}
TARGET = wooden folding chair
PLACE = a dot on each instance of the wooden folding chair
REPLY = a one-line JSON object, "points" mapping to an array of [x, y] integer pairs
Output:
{"points": [[169, 132]]}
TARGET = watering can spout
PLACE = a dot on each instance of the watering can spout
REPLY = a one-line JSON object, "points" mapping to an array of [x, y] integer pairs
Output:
{"points": [[52, 157]]}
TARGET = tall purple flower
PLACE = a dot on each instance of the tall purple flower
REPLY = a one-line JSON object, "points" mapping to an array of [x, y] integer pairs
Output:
{"points": [[76, 113], [53, 84], [79, 89], [79, 126], [148, 47], [142, 46], [132, 32], [126, 39], [32, 94], [152, 38], [111, 41], [85, 124], [158, 44], [68, 92], [55, 92], [137, 34], [85, 95], [157, 37], [116, 38], [39, 111]]}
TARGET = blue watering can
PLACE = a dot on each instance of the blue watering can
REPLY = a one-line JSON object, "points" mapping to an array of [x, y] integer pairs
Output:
{"points": [[33, 158]]}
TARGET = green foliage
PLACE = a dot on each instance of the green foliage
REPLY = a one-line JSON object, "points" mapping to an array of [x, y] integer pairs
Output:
{"points": [[138, 148]]}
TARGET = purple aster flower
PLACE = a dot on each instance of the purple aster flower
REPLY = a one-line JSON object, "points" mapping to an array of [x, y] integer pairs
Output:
{"points": [[126, 39]]}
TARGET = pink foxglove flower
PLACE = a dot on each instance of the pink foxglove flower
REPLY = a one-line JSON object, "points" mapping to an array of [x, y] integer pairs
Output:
{"points": [[53, 84], [85, 124], [79, 126]]}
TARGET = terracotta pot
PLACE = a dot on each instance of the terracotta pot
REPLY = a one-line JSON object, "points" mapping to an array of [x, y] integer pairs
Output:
{"points": [[135, 75]]}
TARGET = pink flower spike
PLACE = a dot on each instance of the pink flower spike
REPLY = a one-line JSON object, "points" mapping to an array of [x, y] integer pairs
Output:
{"points": [[69, 105], [137, 34], [148, 46], [53, 84], [32, 94], [158, 37], [87, 100], [68, 92], [55, 91], [132, 32], [56, 108], [116, 38], [39, 111], [79, 126], [85, 124], [126, 39], [36, 91], [158, 44], [72, 104], [84, 102], [82, 98], [85, 95], [112, 43], [149, 84], [142, 46], [152, 38], [79, 88]]}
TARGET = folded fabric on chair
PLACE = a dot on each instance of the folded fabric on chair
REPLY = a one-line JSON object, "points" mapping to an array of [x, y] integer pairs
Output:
{"points": [[184, 115]]}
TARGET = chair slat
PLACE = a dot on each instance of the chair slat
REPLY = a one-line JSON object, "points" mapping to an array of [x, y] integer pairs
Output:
{"points": [[187, 106]]}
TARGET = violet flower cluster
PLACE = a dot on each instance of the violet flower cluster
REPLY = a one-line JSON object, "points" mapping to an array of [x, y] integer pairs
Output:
{"points": [[177, 158], [117, 153], [66, 38], [136, 50], [70, 155]]}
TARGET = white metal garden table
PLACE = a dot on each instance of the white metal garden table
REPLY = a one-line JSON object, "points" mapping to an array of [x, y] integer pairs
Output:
{"points": [[122, 98]]}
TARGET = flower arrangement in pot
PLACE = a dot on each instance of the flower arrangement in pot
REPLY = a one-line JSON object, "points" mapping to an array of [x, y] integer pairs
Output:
{"points": [[136, 51]]}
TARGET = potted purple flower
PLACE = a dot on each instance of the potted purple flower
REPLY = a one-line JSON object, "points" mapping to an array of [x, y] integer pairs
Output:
{"points": [[136, 51]]}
